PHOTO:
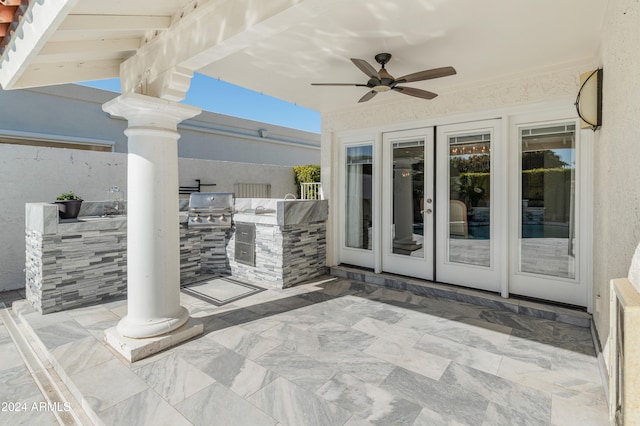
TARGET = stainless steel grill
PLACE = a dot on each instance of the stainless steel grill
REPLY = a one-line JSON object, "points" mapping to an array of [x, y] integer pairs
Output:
{"points": [[210, 210]]}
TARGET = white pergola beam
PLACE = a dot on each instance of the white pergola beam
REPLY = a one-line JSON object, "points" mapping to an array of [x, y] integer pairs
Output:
{"points": [[114, 23], [40, 22], [76, 48], [212, 31], [70, 72]]}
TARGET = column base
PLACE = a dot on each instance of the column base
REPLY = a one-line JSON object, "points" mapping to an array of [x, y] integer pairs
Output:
{"points": [[136, 349], [142, 330]]}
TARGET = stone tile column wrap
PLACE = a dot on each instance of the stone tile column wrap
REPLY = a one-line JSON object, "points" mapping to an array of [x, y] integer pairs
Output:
{"points": [[153, 257]]}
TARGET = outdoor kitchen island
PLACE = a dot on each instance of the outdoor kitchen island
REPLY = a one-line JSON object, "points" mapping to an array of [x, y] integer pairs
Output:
{"points": [[288, 239], [73, 263]]}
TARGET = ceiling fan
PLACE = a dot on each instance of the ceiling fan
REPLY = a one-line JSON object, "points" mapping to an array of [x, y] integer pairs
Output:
{"points": [[382, 81]]}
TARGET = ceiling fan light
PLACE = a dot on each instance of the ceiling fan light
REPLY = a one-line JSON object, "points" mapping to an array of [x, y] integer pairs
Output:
{"points": [[381, 88]]}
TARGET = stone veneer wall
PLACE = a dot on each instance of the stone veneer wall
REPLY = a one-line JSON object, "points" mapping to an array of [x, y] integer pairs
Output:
{"points": [[213, 254], [69, 270], [304, 252], [202, 252], [284, 255]]}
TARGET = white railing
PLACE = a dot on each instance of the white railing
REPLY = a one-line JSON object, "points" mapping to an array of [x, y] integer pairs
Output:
{"points": [[311, 191]]}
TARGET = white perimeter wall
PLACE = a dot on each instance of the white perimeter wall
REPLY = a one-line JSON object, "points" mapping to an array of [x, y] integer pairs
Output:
{"points": [[35, 174]]}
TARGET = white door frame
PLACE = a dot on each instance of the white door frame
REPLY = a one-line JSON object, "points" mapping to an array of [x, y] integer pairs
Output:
{"points": [[350, 255], [419, 267], [577, 290]]}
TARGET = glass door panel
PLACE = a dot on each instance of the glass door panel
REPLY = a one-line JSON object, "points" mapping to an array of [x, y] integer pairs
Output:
{"points": [[408, 198], [358, 200], [470, 199], [547, 224]]}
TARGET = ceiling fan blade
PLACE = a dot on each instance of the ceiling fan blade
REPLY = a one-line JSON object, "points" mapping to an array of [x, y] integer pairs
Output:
{"points": [[368, 96], [418, 93], [427, 74], [339, 84], [365, 67]]}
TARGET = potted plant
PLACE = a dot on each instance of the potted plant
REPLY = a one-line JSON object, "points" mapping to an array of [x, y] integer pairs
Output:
{"points": [[68, 205]]}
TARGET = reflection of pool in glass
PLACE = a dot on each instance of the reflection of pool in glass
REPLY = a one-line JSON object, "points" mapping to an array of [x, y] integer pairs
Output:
{"points": [[540, 230], [546, 230], [479, 232]]}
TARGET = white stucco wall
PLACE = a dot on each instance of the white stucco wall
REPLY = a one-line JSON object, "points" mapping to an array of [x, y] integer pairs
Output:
{"points": [[35, 174], [617, 174], [541, 85], [68, 110], [76, 112]]}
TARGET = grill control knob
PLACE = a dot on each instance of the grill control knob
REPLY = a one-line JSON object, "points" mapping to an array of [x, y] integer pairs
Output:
{"points": [[210, 219], [197, 219], [222, 218]]}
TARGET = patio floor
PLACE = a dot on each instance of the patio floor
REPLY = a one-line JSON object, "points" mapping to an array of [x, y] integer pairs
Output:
{"points": [[331, 352]]}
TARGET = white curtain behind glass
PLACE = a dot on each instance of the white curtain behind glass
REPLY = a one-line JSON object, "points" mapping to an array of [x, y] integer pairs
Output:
{"points": [[357, 194], [354, 206]]}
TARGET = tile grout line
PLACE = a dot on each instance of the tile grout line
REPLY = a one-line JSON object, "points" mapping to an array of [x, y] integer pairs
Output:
{"points": [[50, 384]]}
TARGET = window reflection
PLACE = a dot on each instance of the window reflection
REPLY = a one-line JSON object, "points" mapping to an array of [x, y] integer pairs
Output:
{"points": [[547, 244], [408, 198], [470, 199]]}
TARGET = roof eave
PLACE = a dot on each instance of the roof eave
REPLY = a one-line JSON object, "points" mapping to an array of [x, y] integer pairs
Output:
{"points": [[33, 28]]}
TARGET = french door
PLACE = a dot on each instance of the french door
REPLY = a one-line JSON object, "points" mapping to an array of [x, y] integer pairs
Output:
{"points": [[500, 205], [549, 230], [408, 202], [471, 200], [358, 235]]}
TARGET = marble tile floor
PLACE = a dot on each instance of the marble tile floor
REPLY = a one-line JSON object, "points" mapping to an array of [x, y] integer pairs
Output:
{"points": [[332, 352], [21, 401]]}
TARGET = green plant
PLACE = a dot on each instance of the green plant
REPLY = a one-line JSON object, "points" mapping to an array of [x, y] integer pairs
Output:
{"points": [[472, 188], [66, 196], [306, 174]]}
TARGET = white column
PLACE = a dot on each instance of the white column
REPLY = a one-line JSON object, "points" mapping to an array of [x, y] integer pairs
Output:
{"points": [[153, 236]]}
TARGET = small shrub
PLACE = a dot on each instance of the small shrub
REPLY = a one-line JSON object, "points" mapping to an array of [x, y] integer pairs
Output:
{"points": [[306, 174], [66, 196]]}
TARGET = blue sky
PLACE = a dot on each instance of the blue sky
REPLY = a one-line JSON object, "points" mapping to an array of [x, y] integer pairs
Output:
{"points": [[224, 98]]}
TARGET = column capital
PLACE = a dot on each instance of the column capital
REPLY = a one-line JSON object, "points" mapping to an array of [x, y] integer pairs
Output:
{"points": [[141, 110]]}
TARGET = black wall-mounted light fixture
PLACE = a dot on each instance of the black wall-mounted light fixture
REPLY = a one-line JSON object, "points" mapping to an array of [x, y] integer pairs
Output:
{"points": [[589, 100]]}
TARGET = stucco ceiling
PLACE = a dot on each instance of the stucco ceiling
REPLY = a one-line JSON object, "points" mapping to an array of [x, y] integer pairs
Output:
{"points": [[484, 40]]}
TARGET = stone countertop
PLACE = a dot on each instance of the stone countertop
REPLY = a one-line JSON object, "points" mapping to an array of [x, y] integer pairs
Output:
{"points": [[43, 217], [279, 212]]}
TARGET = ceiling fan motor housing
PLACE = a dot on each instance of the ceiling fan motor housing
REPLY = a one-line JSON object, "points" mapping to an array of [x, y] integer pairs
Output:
{"points": [[383, 58]]}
